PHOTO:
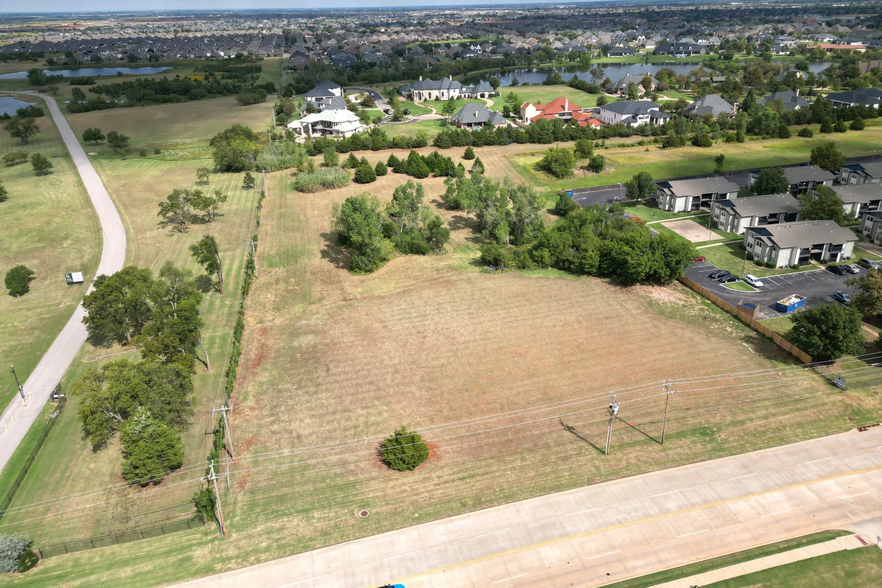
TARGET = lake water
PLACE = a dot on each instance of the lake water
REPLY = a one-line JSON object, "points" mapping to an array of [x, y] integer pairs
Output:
{"points": [[89, 72], [613, 71], [9, 105]]}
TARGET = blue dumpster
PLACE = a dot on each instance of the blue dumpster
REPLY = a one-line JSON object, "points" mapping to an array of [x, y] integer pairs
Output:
{"points": [[790, 303]]}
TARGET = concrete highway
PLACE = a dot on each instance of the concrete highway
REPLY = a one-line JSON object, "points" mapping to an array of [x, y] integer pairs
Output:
{"points": [[613, 531], [18, 415]]}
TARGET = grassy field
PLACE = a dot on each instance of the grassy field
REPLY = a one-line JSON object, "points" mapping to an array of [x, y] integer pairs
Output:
{"points": [[173, 123], [432, 127], [728, 560], [858, 568], [438, 105], [545, 94], [415, 108], [15, 464], [51, 227], [730, 257]]}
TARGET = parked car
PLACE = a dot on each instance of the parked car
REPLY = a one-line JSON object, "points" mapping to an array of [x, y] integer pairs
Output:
{"points": [[867, 263], [852, 268], [753, 281], [842, 297], [729, 279], [697, 259], [837, 269], [717, 274]]}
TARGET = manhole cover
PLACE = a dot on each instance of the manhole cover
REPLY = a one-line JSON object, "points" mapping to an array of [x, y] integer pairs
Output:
{"points": [[363, 514]]}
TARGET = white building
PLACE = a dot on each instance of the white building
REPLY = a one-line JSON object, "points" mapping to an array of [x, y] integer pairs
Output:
{"points": [[692, 195], [330, 123], [860, 198], [737, 214], [789, 244], [632, 112]]}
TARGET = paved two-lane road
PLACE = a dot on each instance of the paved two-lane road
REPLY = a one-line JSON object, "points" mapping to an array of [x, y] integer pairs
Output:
{"points": [[608, 532], [17, 417]]}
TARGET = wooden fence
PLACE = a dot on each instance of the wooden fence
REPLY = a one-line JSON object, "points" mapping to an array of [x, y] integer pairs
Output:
{"points": [[749, 321]]}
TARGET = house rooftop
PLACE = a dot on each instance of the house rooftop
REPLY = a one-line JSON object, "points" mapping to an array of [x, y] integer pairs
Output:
{"points": [[803, 234], [806, 173], [762, 205], [631, 107], [862, 193], [699, 186]]}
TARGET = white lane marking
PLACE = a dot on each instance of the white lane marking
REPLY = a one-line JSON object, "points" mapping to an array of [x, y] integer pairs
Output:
{"points": [[604, 554], [776, 513], [855, 495], [693, 533], [747, 476], [492, 533], [300, 581], [817, 460], [512, 578], [580, 511], [662, 494]]}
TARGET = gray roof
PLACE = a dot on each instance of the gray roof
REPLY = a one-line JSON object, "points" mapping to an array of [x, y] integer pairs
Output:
{"points": [[868, 96], [789, 98], [711, 104], [763, 205], [697, 187], [863, 193], [324, 88], [430, 84], [473, 113], [803, 234], [806, 173], [629, 79], [872, 169], [631, 107]]}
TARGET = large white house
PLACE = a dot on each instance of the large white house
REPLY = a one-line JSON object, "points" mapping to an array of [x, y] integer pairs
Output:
{"points": [[329, 123], [632, 112], [789, 244], [445, 89]]}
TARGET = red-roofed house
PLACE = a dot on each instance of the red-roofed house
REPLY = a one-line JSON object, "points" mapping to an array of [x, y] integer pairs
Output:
{"points": [[560, 108]]}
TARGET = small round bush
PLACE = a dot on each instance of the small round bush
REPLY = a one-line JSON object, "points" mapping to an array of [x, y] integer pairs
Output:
{"points": [[11, 549], [380, 169], [806, 132], [404, 450], [364, 174], [858, 124], [17, 280], [469, 154]]}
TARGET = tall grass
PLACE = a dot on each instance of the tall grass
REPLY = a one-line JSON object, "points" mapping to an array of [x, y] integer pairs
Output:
{"points": [[281, 155], [321, 179]]}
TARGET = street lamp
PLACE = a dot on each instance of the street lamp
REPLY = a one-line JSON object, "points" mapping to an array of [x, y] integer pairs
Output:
{"points": [[20, 389]]}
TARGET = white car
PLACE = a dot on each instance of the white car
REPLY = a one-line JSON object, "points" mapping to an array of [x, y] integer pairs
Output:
{"points": [[753, 281]]}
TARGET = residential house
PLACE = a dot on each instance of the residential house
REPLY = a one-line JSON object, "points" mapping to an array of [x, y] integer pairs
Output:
{"points": [[560, 108], [330, 123], [323, 91], [621, 52], [711, 104], [474, 115], [834, 47], [798, 243], [344, 60], [621, 87], [632, 112], [445, 89], [864, 96], [692, 195], [803, 178], [790, 99], [871, 226], [869, 172], [737, 214], [859, 198]]}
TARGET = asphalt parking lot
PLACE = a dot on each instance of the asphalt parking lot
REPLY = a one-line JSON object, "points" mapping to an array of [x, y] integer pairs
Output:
{"points": [[586, 197], [818, 286]]}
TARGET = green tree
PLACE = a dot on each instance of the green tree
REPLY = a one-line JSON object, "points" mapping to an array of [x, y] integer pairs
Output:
{"points": [[558, 162], [117, 140], [821, 204], [828, 331], [770, 180], [77, 95], [602, 100], [640, 186], [12, 547], [494, 83], [177, 210], [449, 108], [584, 149], [117, 308], [806, 132], [330, 156], [527, 208], [719, 160], [404, 450], [248, 181], [12, 158], [208, 204], [358, 223], [151, 449], [93, 135], [206, 252], [380, 169], [564, 204], [839, 127], [203, 175], [858, 124], [23, 129], [364, 174], [352, 161], [597, 163], [633, 92], [17, 279], [868, 297], [234, 149], [826, 126], [4, 194], [469, 154], [477, 167], [416, 166], [41, 164]]}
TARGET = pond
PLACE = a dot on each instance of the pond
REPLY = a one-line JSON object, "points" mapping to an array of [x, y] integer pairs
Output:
{"points": [[89, 72], [613, 71], [9, 105]]}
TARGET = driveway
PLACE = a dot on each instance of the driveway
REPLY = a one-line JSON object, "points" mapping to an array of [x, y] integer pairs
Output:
{"points": [[590, 196], [18, 417], [818, 286]]}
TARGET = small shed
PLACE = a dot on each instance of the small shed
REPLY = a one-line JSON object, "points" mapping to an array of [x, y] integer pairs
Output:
{"points": [[74, 278]]}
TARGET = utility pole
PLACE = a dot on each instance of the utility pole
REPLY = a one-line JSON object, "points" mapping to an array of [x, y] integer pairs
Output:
{"points": [[668, 394], [20, 389], [217, 502], [223, 410], [613, 411]]}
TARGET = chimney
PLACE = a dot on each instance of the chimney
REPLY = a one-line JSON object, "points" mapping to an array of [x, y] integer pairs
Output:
{"points": [[421, 78], [566, 104], [797, 91]]}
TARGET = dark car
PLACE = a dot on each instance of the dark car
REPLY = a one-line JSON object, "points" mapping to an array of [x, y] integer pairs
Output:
{"points": [[837, 269], [717, 274], [842, 297], [729, 279]]}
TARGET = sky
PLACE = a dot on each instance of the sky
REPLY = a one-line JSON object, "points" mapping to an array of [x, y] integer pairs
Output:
{"points": [[128, 5]]}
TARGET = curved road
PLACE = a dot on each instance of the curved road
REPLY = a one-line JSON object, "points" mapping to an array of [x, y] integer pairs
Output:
{"points": [[17, 418]]}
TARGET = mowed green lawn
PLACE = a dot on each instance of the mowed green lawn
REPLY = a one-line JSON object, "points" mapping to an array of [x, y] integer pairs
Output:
{"points": [[545, 94], [50, 226]]}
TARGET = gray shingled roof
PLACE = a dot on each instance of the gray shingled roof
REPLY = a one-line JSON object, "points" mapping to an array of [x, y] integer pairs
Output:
{"points": [[863, 193], [631, 107], [803, 234], [763, 205], [697, 187], [711, 104], [806, 173], [473, 113]]}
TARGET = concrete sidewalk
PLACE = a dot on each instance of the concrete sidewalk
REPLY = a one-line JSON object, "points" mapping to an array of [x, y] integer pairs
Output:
{"points": [[764, 563], [19, 415]]}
